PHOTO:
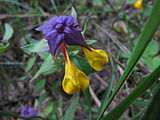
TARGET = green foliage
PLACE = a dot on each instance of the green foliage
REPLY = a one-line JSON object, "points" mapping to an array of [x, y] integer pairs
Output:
{"points": [[152, 112], [3, 48], [69, 114], [82, 64], [42, 98], [50, 108], [108, 90], [85, 26], [98, 2], [48, 65], [8, 32], [149, 56], [144, 40], [7, 35], [74, 13], [139, 90], [36, 46], [40, 85], [30, 63], [89, 104], [140, 103]]}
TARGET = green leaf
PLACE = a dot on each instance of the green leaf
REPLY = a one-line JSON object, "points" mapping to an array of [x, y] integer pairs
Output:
{"points": [[42, 97], [50, 107], [30, 63], [152, 62], [40, 85], [90, 42], [43, 55], [47, 65], [152, 112], [144, 39], [15, 2], [31, 40], [89, 104], [82, 64], [69, 114], [98, 3], [73, 50], [3, 48], [56, 84], [40, 46], [8, 32], [140, 103], [108, 90], [152, 49], [125, 55], [86, 24], [74, 13], [138, 91]]}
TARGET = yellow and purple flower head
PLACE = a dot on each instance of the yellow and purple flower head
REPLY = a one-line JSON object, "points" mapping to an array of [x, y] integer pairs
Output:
{"points": [[28, 112], [63, 31]]}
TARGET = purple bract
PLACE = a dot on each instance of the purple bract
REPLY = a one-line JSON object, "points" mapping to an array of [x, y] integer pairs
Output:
{"points": [[28, 112], [59, 29]]}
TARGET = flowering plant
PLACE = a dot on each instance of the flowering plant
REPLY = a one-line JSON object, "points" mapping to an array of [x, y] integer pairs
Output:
{"points": [[63, 31]]}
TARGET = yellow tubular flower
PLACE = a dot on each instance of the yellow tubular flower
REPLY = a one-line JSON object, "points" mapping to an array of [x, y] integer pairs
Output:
{"points": [[96, 58], [74, 79], [138, 4]]}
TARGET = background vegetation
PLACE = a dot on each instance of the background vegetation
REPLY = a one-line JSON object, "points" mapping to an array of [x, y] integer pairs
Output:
{"points": [[30, 76]]}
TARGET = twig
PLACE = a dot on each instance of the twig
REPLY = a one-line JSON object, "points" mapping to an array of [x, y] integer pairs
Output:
{"points": [[113, 38], [95, 98], [118, 63]]}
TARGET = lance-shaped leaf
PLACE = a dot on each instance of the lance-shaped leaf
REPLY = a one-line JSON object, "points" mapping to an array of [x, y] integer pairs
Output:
{"points": [[8, 32], [152, 112], [69, 114], [139, 90]]}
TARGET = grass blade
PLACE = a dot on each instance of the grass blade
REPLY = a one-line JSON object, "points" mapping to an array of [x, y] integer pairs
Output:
{"points": [[139, 90], [69, 115], [88, 100], [152, 112], [144, 39], [109, 87]]}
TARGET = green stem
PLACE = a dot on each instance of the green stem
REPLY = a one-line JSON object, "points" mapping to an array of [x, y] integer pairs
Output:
{"points": [[88, 100]]}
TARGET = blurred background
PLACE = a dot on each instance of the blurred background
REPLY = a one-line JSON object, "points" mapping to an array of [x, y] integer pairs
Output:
{"points": [[109, 25]]}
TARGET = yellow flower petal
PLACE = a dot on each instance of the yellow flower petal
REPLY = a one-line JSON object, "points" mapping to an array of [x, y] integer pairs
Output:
{"points": [[74, 79], [96, 58], [138, 4]]}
